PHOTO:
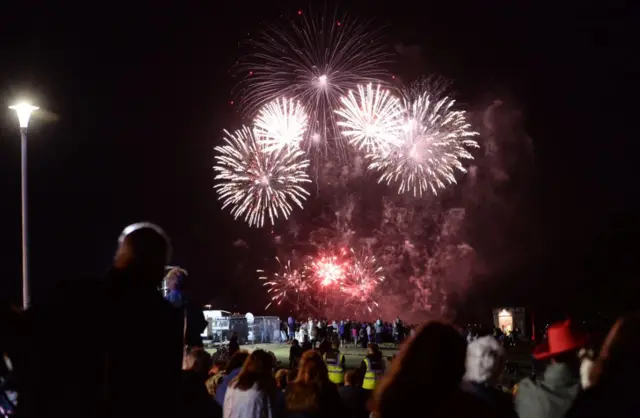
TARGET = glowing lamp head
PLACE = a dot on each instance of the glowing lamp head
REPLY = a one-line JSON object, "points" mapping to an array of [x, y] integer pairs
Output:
{"points": [[24, 111], [323, 80], [315, 137]]}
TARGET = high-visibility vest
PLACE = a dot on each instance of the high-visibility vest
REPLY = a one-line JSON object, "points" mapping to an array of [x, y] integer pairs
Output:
{"points": [[375, 370], [334, 360]]}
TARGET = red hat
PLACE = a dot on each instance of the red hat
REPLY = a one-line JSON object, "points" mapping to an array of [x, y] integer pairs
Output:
{"points": [[561, 337]]}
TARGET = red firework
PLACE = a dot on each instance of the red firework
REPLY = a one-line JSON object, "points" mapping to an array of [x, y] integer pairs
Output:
{"points": [[329, 269]]}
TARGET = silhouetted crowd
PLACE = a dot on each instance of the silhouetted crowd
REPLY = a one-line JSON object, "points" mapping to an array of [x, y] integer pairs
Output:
{"points": [[115, 347], [349, 332]]}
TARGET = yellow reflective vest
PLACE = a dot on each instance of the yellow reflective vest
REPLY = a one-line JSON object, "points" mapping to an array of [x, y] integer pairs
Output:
{"points": [[334, 360], [375, 370]]}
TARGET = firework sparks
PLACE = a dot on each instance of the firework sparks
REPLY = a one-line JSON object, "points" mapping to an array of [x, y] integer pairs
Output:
{"points": [[362, 280], [371, 119], [280, 124], [255, 183], [346, 278], [315, 60], [431, 146], [287, 283], [329, 269]]}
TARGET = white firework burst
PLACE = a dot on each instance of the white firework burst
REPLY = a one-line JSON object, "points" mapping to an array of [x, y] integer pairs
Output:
{"points": [[258, 184], [371, 119], [281, 123], [315, 59], [433, 143]]}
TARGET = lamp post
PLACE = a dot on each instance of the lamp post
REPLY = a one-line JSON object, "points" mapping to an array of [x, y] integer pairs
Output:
{"points": [[24, 111]]}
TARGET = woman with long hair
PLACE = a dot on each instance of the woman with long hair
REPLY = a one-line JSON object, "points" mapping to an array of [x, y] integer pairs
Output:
{"points": [[231, 371], [253, 393], [312, 394]]}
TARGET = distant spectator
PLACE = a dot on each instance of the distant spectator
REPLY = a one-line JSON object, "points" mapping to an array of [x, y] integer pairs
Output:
{"points": [[485, 363], [295, 353], [291, 326], [306, 343], [253, 393], [234, 347]]}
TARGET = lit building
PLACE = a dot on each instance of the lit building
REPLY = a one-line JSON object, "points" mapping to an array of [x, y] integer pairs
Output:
{"points": [[509, 318]]}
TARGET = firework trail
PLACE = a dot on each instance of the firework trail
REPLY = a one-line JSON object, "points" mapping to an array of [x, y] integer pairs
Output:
{"points": [[280, 124], [431, 146], [256, 183], [314, 59], [371, 119], [286, 285]]}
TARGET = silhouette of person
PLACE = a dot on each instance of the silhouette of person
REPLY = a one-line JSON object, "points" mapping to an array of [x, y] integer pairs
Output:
{"points": [[110, 347]]}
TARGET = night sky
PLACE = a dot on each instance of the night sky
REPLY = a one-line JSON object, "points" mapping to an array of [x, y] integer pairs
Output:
{"points": [[135, 96]]}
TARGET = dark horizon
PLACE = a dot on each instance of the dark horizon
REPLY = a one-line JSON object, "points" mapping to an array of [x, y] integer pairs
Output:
{"points": [[135, 99]]}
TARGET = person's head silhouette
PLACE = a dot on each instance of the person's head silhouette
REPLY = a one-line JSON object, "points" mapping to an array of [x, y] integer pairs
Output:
{"points": [[143, 249]]}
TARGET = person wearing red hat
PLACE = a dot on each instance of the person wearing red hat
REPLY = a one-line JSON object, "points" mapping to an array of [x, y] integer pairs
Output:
{"points": [[553, 395]]}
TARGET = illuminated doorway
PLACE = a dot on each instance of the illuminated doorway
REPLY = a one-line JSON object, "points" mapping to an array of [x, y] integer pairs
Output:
{"points": [[505, 321]]}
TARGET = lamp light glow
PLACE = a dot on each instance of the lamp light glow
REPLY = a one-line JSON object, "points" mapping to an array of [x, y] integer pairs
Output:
{"points": [[24, 111]]}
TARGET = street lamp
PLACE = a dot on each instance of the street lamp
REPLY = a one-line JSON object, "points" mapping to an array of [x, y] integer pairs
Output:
{"points": [[24, 111]]}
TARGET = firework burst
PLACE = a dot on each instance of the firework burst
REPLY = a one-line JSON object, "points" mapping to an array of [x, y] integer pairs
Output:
{"points": [[327, 269], [371, 119], [287, 284], [431, 146], [258, 184], [314, 59], [363, 278], [281, 124]]}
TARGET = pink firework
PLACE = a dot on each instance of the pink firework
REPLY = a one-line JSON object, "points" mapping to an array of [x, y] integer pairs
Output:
{"points": [[363, 279], [289, 284]]}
